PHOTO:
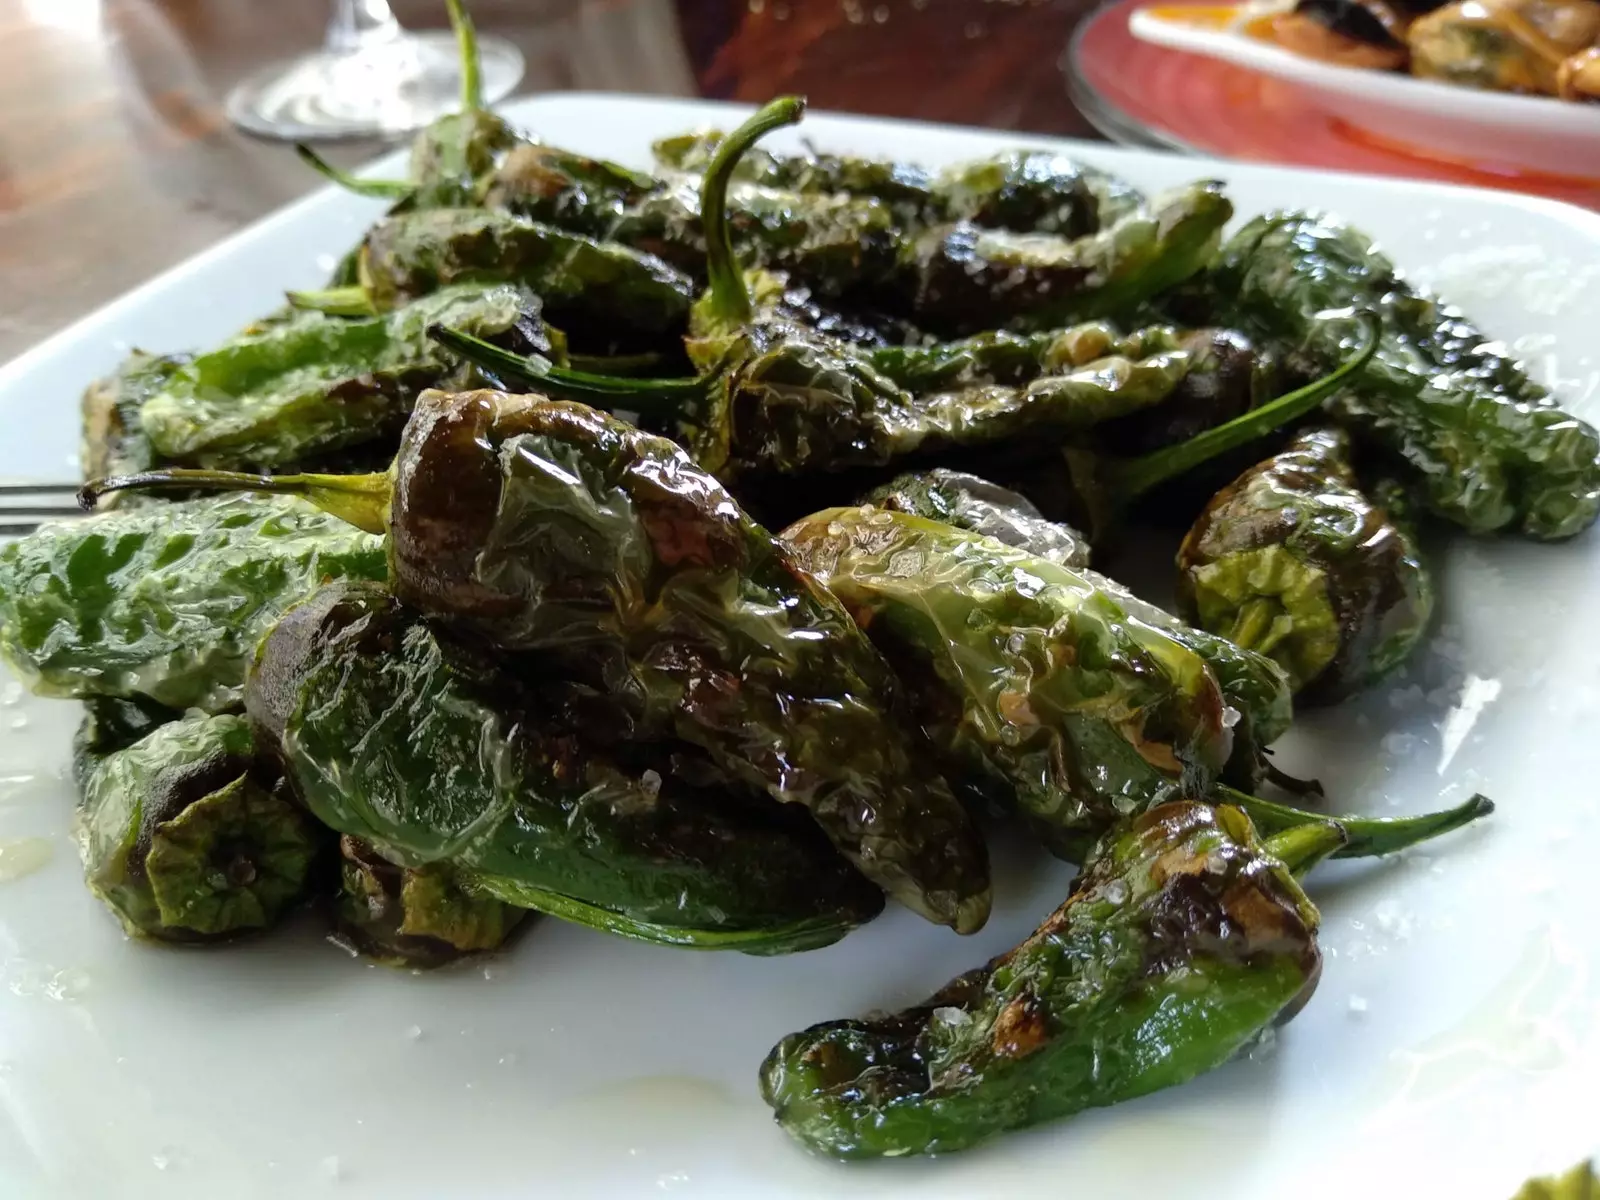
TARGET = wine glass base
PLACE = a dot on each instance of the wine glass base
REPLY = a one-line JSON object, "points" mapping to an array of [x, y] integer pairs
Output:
{"points": [[392, 88]]}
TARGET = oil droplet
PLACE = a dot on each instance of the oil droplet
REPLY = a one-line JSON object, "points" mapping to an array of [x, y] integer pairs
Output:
{"points": [[22, 856], [414, 1033]]}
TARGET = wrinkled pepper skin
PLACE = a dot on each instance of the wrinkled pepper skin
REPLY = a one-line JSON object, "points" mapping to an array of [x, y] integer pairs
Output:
{"points": [[430, 749], [795, 402], [1182, 941], [166, 601], [187, 837], [315, 383], [416, 917], [555, 528], [1293, 559], [973, 503], [1487, 447], [1031, 191], [962, 279], [1029, 676], [608, 285]]}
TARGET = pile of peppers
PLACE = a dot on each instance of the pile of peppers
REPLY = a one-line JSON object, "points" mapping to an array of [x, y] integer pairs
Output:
{"points": [[709, 555]]}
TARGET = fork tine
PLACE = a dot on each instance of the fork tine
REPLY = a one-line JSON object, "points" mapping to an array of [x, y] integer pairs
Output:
{"points": [[23, 506], [36, 489]]}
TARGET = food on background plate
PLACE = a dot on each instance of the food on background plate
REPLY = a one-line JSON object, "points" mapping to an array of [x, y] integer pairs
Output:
{"points": [[551, 659]]}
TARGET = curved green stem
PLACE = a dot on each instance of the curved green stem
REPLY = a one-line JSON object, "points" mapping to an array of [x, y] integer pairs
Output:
{"points": [[350, 301], [378, 189], [471, 69], [1134, 478], [362, 500], [602, 391], [1370, 837], [729, 298], [1302, 847]]}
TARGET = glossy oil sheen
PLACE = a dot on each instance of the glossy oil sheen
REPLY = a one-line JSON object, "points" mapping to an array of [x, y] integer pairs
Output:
{"points": [[1451, 1049]]}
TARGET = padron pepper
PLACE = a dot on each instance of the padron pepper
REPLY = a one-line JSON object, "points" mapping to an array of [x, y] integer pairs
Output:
{"points": [[166, 602], [1031, 191], [554, 528], [113, 439], [187, 835], [962, 278], [303, 387], [970, 502], [1487, 447], [784, 399], [604, 295], [431, 748], [1580, 1183], [1294, 559], [419, 917], [1057, 693], [1185, 938]]}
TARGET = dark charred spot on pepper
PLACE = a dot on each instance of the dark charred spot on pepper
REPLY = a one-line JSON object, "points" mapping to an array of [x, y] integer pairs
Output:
{"points": [[1022, 1027]]}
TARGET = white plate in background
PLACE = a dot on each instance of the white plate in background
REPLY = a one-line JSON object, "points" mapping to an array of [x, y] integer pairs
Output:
{"points": [[1451, 1050], [1425, 116]]}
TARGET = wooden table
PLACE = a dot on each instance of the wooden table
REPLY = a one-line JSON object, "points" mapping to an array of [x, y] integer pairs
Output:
{"points": [[116, 161]]}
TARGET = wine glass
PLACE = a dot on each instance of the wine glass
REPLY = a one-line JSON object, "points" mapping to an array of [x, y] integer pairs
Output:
{"points": [[372, 78]]}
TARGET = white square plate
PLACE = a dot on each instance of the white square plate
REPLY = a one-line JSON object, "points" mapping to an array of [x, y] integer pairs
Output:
{"points": [[1453, 1048]]}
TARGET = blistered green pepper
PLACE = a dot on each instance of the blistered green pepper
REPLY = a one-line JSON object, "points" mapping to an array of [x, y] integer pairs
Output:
{"points": [[1031, 191], [554, 528], [1028, 676], [315, 383], [1184, 939], [414, 916], [188, 836], [431, 748], [961, 279], [113, 440], [1488, 448], [1295, 560], [166, 602]]}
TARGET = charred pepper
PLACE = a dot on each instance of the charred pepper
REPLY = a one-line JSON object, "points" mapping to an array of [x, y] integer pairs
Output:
{"points": [[166, 602], [1184, 939], [414, 916], [1488, 448], [432, 749], [187, 836], [1295, 560], [972, 503], [554, 528], [314, 383]]}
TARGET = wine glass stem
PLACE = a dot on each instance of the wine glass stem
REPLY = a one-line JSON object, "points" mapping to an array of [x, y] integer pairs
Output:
{"points": [[358, 25]]}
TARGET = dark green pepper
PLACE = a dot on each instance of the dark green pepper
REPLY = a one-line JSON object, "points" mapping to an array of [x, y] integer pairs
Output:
{"points": [[414, 916], [166, 602], [432, 749], [1033, 191], [554, 528], [1028, 677], [1488, 448], [962, 279], [1184, 940], [1295, 560], [113, 438], [188, 837], [315, 383]]}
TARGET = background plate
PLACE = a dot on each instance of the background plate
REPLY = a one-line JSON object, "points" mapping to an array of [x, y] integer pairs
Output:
{"points": [[1452, 1049], [1537, 132]]}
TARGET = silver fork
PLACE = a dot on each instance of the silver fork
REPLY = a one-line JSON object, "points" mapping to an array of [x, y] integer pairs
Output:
{"points": [[25, 506]]}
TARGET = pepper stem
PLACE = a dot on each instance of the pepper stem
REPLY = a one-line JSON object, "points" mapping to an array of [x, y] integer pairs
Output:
{"points": [[729, 298], [350, 301], [1370, 837], [471, 70], [1133, 478], [1304, 846], [378, 189], [538, 372], [362, 500]]}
